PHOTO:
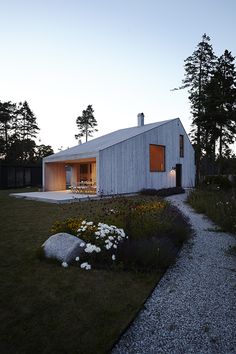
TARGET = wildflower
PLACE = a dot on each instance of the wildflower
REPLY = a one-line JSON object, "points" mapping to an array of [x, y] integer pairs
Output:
{"points": [[113, 257], [82, 244], [83, 265], [89, 223], [90, 248], [77, 259], [83, 222], [64, 264]]}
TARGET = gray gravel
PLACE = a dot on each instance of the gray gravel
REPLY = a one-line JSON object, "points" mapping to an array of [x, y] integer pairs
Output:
{"points": [[192, 309]]}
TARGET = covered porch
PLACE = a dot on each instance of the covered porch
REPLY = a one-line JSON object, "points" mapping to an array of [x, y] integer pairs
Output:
{"points": [[79, 176]]}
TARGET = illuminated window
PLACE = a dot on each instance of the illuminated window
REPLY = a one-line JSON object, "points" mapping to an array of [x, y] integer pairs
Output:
{"points": [[181, 146], [157, 158]]}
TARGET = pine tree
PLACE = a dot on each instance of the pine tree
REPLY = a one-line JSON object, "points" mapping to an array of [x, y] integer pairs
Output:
{"points": [[7, 113], [226, 119], [27, 122], [199, 69], [25, 132], [220, 104], [86, 123]]}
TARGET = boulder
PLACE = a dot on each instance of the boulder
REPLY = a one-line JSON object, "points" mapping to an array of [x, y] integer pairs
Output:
{"points": [[63, 247]]}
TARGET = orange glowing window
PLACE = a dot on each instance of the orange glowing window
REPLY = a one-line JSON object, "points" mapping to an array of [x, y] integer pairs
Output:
{"points": [[157, 158]]}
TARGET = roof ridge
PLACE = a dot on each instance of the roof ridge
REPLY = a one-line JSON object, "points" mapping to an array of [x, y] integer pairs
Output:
{"points": [[104, 141]]}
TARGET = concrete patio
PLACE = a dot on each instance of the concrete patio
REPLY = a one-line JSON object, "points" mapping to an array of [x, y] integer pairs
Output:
{"points": [[55, 196]]}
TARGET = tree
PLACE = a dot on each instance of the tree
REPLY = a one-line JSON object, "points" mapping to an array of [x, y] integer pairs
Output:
{"points": [[220, 105], [226, 109], [26, 122], [199, 68], [86, 123], [25, 131], [18, 130], [7, 112], [43, 151]]}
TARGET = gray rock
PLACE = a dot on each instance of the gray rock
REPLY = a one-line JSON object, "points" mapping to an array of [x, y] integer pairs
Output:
{"points": [[63, 247]]}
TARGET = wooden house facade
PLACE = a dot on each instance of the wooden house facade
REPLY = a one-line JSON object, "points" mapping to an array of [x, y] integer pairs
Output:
{"points": [[157, 155]]}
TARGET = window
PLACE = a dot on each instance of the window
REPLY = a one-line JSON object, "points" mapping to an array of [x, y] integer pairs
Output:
{"points": [[181, 146], [157, 158]]}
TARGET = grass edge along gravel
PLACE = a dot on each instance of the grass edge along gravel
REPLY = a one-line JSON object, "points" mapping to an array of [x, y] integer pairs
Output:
{"points": [[219, 205]]}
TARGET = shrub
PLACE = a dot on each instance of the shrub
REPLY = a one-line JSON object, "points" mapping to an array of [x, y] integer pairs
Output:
{"points": [[146, 254], [70, 225], [164, 192], [217, 182], [101, 242]]}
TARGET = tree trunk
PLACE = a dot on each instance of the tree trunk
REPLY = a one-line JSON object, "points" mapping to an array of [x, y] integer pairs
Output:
{"points": [[6, 139], [220, 152]]}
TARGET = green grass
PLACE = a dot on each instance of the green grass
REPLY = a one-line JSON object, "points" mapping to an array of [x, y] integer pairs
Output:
{"points": [[218, 205], [48, 309]]}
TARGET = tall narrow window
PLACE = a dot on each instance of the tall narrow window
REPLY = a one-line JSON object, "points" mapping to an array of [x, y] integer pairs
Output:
{"points": [[157, 158], [181, 146]]}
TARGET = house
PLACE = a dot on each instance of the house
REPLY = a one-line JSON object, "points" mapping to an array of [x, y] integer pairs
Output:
{"points": [[157, 155]]}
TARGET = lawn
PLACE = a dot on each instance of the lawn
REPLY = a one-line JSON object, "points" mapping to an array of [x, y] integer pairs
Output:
{"points": [[46, 308]]}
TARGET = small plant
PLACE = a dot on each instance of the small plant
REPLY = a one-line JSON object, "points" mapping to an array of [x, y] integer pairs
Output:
{"points": [[69, 225], [101, 242]]}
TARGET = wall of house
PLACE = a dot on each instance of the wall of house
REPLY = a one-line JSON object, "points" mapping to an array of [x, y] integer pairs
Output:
{"points": [[125, 167], [54, 176]]}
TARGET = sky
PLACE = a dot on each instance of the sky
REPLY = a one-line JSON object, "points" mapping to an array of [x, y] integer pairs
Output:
{"points": [[121, 56]]}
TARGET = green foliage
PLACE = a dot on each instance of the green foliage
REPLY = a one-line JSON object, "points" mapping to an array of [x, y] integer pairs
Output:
{"points": [[220, 207]]}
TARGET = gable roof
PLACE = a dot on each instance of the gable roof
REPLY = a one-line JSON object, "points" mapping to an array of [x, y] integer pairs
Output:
{"points": [[103, 142]]}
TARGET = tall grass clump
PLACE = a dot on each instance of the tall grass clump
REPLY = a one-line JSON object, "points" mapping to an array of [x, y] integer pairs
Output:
{"points": [[219, 205]]}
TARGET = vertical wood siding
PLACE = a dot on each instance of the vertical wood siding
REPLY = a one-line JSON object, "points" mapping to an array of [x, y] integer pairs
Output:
{"points": [[125, 167], [55, 176]]}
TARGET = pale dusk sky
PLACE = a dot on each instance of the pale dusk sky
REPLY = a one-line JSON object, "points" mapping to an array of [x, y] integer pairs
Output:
{"points": [[123, 57]]}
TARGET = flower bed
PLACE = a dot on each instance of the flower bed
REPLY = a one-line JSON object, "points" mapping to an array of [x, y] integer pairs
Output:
{"points": [[137, 233]]}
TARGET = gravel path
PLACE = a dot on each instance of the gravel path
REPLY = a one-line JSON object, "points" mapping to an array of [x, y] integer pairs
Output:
{"points": [[192, 309]]}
